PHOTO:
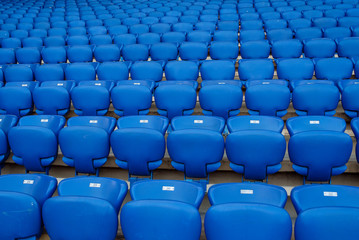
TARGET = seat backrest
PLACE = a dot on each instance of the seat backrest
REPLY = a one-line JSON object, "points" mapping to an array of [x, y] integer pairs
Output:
{"points": [[115, 71], [243, 123], [295, 69], [334, 69], [195, 122], [28, 55], [146, 71], [218, 70], [255, 69], [181, 70], [193, 51]]}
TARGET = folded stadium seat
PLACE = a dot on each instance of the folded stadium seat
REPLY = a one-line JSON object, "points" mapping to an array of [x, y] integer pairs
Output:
{"points": [[59, 24], [49, 72], [150, 20], [34, 141], [349, 95], [41, 33], [100, 39], [163, 52], [212, 123], [54, 41], [82, 201], [228, 26], [279, 34], [11, 43], [75, 24], [308, 33], [57, 32], [169, 20], [192, 13], [255, 49], [334, 13], [182, 27], [19, 73], [205, 26], [334, 69], [221, 98], [124, 39], [249, 204], [160, 28], [337, 33], [107, 53], [199, 36], [217, 70], [348, 22], [8, 27], [20, 34], [275, 24], [139, 29], [151, 146], [175, 205], [267, 97], [290, 15], [174, 37], [147, 70], [352, 12], [92, 98], [196, 140], [32, 42], [85, 142], [224, 50], [295, 69], [6, 123], [77, 40], [225, 36], [22, 197], [7, 56], [253, 69], [148, 39], [319, 48], [270, 15], [348, 47], [135, 52], [324, 22], [80, 71], [312, 14], [54, 55], [251, 35], [355, 31], [176, 98], [320, 206], [114, 71], [249, 16], [298, 23], [290, 48], [229, 17], [53, 97], [189, 19], [96, 30], [181, 70], [318, 147], [209, 18], [25, 26], [251, 24], [117, 30], [193, 51]]}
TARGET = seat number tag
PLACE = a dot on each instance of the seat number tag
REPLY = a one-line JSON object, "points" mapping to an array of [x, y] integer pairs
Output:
{"points": [[246, 191], [93, 121], [254, 121], [330, 194], [144, 121], [95, 185], [45, 120], [28, 182], [198, 121], [314, 122], [168, 188]]}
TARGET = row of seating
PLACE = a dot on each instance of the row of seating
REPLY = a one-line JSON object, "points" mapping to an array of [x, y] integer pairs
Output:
{"points": [[255, 146], [168, 209]]}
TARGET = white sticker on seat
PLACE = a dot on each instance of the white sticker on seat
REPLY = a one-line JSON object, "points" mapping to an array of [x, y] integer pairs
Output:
{"points": [[98, 84], [95, 185], [93, 121], [265, 82], [44, 120], [254, 121], [330, 194], [23, 85], [314, 122], [198, 121], [221, 83], [60, 84], [246, 191], [168, 188], [28, 182], [136, 83], [143, 121]]}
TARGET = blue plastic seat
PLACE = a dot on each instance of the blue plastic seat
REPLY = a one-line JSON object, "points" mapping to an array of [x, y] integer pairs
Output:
{"points": [[80, 54], [6, 123], [77, 40], [32, 42], [320, 206], [139, 29], [16, 98], [11, 43], [254, 69], [291, 48], [267, 97], [334, 13], [181, 70], [132, 97], [295, 69], [349, 91], [150, 148], [318, 147], [223, 50], [275, 24], [347, 47], [20, 34], [337, 33], [80, 72], [160, 28], [324, 22], [54, 41], [147, 70], [255, 49], [124, 39], [49, 72], [53, 97], [117, 30], [114, 71], [54, 31], [348, 21], [221, 98], [22, 198], [174, 37], [148, 38], [176, 98], [217, 70], [91, 98], [319, 48], [258, 142], [85, 142], [97, 30], [34, 141], [18, 73], [251, 24], [135, 52], [205, 26], [205, 122], [107, 53], [81, 202], [193, 51], [164, 52], [54, 54], [199, 36], [7, 56], [315, 97], [308, 33], [225, 36], [334, 69]]}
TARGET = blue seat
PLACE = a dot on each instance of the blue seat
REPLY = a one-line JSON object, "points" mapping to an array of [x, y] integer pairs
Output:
{"points": [[318, 147], [223, 50], [255, 49], [124, 39], [28, 55], [249, 204], [251, 24], [80, 54], [164, 52], [181, 70], [349, 97], [221, 98], [347, 47], [334, 69], [270, 15], [326, 211], [251, 35], [193, 51], [174, 37], [146, 70], [312, 14], [22, 197], [324, 22], [6, 123], [255, 144], [7, 56], [150, 148], [114, 71], [139, 29], [49, 72], [290, 48], [117, 30], [148, 39], [319, 48], [205, 122], [132, 97], [11, 43], [176, 98], [34, 141], [267, 97], [54, 55], [53, 97], [275, 24], [54, 41], [91, 98], [55, 31], [81, 202], [77, 40], [80, 72], [337, 33], [225, 36], [96, 30], [199, 36], [279, 34], [334, 13], [348, 22], [160, 28], [107, 53], [85, 142], [16, 98], [253, 69], [315, 97], [32, 42], [355, 127], [19, 73], [295, 69], [135, 52], [218, 70]]}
